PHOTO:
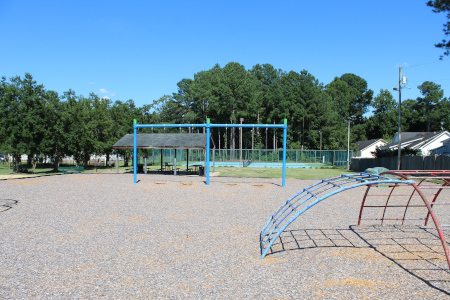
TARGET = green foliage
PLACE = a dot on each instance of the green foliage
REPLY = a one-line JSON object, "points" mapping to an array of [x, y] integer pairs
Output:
{"points": [[442, 6], [22, 117], [350, 96], [39, 122], [427, 106], [394, 153], [384, 122]]}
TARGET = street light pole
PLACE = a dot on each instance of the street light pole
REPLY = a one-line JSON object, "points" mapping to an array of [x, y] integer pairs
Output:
{"points": [[320, 142], [348, 146]]}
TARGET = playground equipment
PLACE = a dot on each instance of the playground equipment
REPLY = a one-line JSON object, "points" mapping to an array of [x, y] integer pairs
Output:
{"points": [[208, 126], [388, 194]]}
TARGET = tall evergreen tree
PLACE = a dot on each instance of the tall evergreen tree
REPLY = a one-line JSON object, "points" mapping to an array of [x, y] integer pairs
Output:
{"points": [[384, 121], [428, 105]]}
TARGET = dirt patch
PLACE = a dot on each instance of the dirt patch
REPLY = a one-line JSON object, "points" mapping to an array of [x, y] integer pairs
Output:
{"points": [[27, 182], [16, 176], [232, 185], [259, 186]]}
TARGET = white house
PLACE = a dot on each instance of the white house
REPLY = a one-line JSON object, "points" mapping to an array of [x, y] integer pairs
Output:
{"points": [[444, 149], [423, 141], [367, 147]]}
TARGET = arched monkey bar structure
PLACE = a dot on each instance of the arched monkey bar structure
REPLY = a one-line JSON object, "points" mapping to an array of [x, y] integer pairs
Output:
{"points": [[395, 196]]}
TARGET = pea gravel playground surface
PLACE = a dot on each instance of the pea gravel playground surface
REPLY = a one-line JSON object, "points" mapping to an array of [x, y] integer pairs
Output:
{"points": [[100, 236]]}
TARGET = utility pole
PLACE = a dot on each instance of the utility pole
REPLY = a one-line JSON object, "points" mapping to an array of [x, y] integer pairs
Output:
{"points": [[399, 117]]}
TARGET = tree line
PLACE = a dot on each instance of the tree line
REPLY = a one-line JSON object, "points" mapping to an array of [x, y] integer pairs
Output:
{"points": [[39, 122]]}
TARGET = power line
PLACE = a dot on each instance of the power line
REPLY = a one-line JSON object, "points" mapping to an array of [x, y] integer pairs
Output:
{"points": [[418, 65], [434, 80]]}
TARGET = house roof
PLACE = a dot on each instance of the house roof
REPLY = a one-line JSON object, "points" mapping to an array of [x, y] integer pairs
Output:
{"points": [[364, 144], [407, 136], [163, 140], [414, 139]]}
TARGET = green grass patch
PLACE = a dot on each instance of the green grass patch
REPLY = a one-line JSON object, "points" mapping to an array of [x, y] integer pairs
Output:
{"points": [[3, 169], [298, 173]]}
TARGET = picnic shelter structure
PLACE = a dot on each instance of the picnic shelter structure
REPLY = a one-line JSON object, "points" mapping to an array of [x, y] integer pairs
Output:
{"points": [[165, 141]]}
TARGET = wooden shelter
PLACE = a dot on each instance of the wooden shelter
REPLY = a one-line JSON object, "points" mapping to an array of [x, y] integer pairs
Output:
{"points": [[165, 141]]}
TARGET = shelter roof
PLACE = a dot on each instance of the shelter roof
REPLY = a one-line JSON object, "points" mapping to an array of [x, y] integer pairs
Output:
{"points": [[163, 140]]}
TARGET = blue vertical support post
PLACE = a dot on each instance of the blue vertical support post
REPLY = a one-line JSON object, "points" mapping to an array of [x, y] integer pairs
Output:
{"points": [[134, 149], [284, 152], [207, 150]]}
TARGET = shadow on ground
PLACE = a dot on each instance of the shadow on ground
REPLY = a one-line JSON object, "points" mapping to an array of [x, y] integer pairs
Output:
{"points": [[7, 204], [415, 249]]}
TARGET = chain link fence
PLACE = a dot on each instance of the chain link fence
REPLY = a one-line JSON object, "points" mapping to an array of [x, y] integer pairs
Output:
{"points": [[326, 157]]}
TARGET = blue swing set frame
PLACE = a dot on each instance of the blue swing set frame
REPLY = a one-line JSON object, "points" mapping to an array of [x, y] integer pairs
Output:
{"points": [[208, 127]]}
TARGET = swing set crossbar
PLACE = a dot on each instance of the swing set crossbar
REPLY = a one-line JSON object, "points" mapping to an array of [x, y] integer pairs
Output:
{"points": [[209, 125]]}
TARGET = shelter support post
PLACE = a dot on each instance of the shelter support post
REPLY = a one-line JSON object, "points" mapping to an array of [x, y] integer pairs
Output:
{"points": [[175, 163], [145, 162], [187, 160], [117, 161]]}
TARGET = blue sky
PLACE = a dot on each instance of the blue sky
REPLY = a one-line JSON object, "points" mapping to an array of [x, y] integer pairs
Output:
{"points": [[140, 49]]}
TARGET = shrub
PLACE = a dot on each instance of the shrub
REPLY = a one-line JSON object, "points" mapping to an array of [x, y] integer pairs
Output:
{"points": [[392, 153]]}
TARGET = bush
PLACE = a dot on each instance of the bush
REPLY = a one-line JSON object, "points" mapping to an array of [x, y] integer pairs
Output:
{"points": [[22, 169], [392, 153]]}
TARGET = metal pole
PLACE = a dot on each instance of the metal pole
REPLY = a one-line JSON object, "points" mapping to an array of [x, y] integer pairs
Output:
{"points": [[175, 163], [399, 117], [240, 144], [320, 142], [348, 147], [145, 162], [253, 139], [283, 183], [207, 149], [134, 150]]}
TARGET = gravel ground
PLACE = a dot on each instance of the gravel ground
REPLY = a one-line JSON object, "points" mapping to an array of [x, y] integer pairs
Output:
{"points": [[94, 236]]}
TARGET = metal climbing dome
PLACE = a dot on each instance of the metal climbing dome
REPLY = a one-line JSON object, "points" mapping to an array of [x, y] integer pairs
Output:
{"points": [[406, 193]]}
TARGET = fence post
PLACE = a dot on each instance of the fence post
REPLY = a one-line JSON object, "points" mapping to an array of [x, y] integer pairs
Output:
{"points": [[334, 151]]}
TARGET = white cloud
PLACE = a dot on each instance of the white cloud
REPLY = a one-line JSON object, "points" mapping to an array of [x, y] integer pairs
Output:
{"points": [[108, 93]]}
